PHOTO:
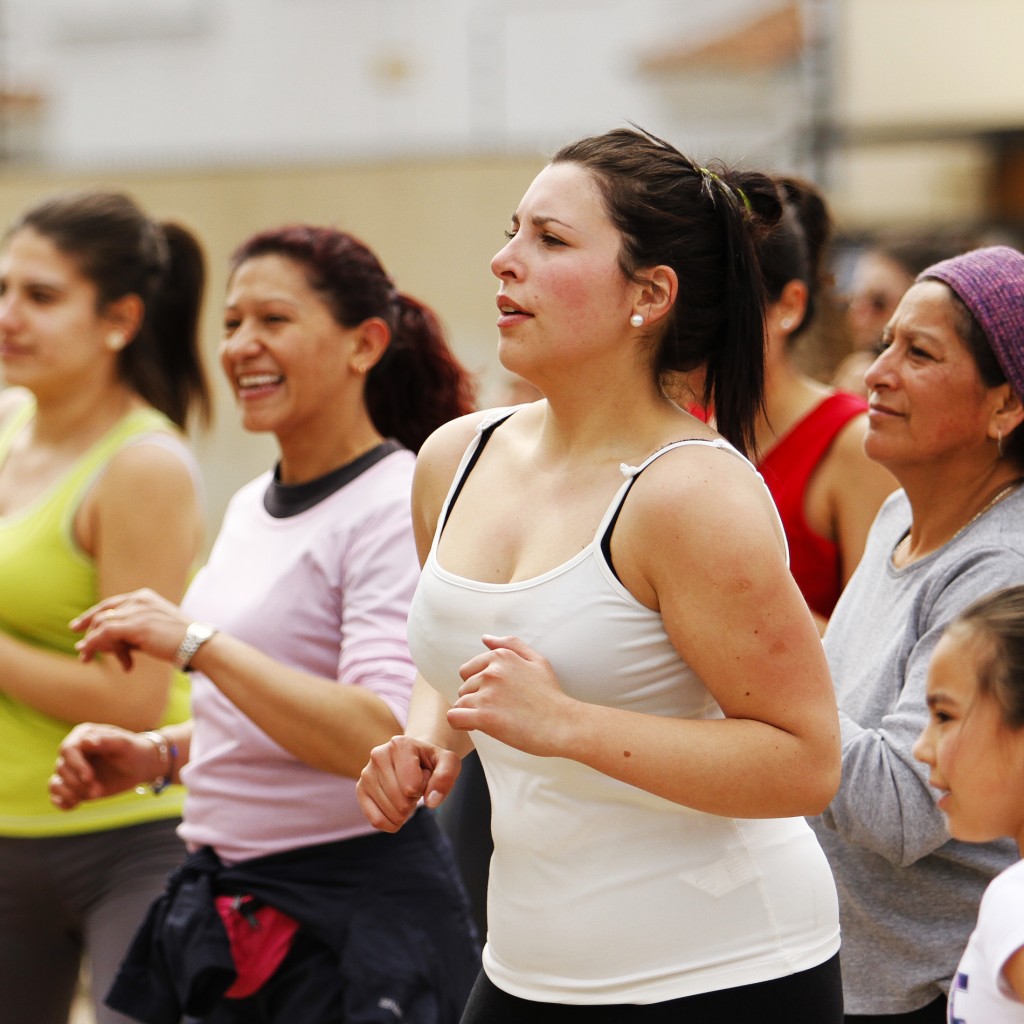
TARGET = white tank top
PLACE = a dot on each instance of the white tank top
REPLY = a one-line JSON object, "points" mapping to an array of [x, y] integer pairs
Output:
{"points": [[600, 892]]}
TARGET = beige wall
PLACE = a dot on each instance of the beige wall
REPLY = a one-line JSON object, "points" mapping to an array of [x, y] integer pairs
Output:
{"points": [[917, 82], [939, 63], [912, 184], [435, 225]]}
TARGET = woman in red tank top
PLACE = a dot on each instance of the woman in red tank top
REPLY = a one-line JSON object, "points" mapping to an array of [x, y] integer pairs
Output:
{"points": [[809, 436]]}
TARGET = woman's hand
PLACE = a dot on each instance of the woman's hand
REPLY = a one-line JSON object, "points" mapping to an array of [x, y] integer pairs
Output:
{"points": [[101, 760], [140, 621], [399, 774], [511, 693]]}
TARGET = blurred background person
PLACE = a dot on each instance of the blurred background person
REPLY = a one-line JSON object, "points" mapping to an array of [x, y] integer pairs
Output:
{"points": [[945, 418], [810, 438], [99, 493], [882, 272], [295, 630]]}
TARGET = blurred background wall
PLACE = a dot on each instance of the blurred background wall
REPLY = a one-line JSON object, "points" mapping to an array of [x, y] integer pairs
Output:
{"points": [[417, 124]]}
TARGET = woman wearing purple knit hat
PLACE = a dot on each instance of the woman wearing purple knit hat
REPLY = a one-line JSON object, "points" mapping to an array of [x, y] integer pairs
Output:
{"points": [[945, 418]]}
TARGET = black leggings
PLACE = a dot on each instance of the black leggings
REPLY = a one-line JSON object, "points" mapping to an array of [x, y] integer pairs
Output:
{"points": [[933, 1013], [814, 996]]}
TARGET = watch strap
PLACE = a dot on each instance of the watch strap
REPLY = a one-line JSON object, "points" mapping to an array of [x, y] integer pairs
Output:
{"points": [[195, 636]]}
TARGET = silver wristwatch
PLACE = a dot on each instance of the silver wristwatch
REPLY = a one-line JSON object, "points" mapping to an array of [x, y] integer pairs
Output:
{"points": [[195, 636]]}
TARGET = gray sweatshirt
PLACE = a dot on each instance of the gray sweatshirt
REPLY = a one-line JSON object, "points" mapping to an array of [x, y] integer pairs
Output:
{"points": [[908, 894]]}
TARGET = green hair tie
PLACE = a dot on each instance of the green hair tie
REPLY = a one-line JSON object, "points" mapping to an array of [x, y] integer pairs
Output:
{"points": [[710, 176]]}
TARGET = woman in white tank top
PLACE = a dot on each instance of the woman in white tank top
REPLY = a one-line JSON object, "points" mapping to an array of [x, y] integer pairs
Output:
{"points": [[606, 613]]}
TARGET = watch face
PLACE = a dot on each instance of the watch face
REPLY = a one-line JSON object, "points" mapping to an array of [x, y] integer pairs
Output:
{"points": [[196, 635]]}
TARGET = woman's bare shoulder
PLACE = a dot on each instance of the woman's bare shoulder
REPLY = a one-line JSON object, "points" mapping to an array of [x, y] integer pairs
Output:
{"points": [[851, 470], [451, 438], [442, 452], [704, 498]]}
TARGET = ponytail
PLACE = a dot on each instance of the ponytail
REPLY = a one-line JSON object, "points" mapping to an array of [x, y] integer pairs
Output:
{"points": [[418, 385], [794, 249], [163, 363], [734, 363]]}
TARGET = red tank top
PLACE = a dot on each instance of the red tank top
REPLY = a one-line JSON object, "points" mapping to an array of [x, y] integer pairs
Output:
{"points": [[786, 468]]}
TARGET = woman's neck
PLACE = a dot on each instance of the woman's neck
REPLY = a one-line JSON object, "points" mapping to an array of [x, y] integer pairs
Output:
{"points": [[944, 504], [308, 457], [789, 397], [614, 424], [80, 417]]}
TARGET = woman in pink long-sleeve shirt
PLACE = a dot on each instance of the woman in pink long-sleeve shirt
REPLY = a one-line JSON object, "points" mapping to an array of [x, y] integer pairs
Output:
{"points": [[295, 634]]}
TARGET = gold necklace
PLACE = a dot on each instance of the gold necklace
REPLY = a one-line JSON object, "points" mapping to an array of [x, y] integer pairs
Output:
{"points": [[1008, 488]]}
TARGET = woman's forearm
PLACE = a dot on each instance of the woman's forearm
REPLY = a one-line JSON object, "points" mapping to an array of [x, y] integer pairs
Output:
{"points": [[61, 686], [326, 724], [428, 720], [738, 768]]}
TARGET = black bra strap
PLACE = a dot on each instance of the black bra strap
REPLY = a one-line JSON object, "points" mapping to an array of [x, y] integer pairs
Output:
{"points": [[485, 436]]}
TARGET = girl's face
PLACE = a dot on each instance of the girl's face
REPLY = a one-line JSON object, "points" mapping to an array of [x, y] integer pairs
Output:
{"points": [[976, 759], [563, 295], [52, 336]]}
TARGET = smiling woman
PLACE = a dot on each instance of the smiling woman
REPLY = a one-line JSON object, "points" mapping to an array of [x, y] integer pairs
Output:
{"points": [[295, 632], [297, 372], [945, 417]]}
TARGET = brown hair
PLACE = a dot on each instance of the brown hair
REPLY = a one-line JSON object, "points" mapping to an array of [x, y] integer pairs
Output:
{"points": [[998, 619], [793, 249]]}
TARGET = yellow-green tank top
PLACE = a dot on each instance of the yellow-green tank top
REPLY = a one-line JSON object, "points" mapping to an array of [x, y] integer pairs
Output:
{"points": [[45, 581]]}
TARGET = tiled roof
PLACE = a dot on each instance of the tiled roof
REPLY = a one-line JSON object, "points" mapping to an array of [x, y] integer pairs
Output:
{"points": [[767, 41]]}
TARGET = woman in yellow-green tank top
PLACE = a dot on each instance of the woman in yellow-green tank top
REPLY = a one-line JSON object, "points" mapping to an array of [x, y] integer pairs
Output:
{"points": [[98, 495]]}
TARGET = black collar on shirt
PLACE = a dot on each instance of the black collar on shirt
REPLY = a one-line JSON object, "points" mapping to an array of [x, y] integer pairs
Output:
{"points": [[284, 500]]}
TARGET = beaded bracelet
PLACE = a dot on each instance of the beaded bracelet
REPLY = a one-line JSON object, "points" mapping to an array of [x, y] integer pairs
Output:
{"points": [[168, 752]]}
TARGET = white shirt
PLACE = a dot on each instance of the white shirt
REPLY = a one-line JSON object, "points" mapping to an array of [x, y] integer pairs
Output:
{"points": [[599, 891], [979, 993]]}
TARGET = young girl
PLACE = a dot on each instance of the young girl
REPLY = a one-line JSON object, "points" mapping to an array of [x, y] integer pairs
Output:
{"points": [[974, 746]]}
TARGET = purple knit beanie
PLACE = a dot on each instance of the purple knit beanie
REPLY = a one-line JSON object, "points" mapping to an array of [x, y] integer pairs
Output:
{"points": [[990, 282]]}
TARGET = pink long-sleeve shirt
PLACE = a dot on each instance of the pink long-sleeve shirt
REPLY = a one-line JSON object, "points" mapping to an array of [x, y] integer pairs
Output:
{"points": [[327, 591]]}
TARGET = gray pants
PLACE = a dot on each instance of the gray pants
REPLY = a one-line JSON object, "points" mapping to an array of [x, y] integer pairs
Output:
{"points": [[62, 898]]}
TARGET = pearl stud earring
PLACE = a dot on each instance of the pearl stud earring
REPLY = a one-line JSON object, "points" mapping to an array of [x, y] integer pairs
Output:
{"points": [[636, 320], [786, 323], [115, 341]]}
